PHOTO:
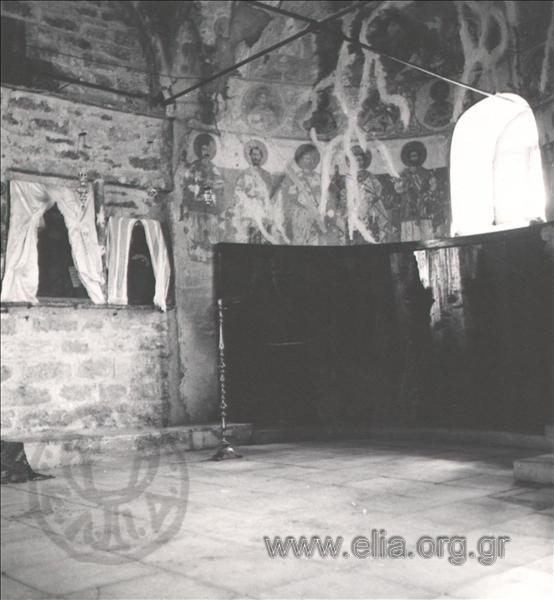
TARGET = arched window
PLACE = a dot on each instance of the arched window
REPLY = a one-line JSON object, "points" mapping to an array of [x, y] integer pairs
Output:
{"points": [[52, 251], [57, 275], [496, 178], [138, 262], [141, 282]]}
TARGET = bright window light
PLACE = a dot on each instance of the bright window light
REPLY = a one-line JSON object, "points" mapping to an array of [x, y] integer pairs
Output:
{"points": [[496, 173]]}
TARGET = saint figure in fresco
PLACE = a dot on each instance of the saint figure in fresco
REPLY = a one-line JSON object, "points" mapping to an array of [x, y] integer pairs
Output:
{"points": [[203, 183], [336, 219], [262, 113], [372, 215], [416, 187], [203, 200], [376, 117], [325, 118], [257, 216], [300, 194], [440, 110]]}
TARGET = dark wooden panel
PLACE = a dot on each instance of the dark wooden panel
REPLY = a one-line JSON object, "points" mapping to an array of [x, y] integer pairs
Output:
{"points": [[361, 334]]}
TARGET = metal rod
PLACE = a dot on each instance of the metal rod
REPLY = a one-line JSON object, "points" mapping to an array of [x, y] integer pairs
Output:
{"points": [[222, 369], [347, 38], [275, 46], [225, 448]]}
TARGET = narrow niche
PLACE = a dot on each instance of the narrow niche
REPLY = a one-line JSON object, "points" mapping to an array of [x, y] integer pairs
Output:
{"points": [[58, 277], [141, 282]]}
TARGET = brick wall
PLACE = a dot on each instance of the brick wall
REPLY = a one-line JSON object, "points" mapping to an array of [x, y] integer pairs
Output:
{"points": [[107, 367], [110, 367], [40, 135], [93, 42]]}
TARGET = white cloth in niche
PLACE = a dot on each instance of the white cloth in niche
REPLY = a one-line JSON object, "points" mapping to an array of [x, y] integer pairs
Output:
{"points": [[29, 201], [120, 231]]}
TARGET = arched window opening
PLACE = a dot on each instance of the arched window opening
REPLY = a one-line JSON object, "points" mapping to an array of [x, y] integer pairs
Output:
{"points": [[141, 283], [58, 277], [496, 176]]}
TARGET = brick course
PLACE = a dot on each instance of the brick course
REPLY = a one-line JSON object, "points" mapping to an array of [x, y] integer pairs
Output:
{"points": [[65, 363]]}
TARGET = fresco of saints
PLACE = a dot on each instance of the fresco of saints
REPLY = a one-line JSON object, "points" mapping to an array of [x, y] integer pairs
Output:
{"points": [[262, 109], [372, 216], [203, 200], [378, 118], [416, 188], [439, 113], [203, 183], [257, 216], [300, 194], [336, 214]]}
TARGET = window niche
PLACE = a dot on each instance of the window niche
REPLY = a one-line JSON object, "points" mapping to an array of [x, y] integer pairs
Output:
{"points": [[58, 277], [141, 282]]}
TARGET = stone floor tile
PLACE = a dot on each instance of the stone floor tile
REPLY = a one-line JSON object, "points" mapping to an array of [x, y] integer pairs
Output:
{"points": [[345, 488], [515, 584], [344, 585], [15, 590], [164, 585], [68, 575]]}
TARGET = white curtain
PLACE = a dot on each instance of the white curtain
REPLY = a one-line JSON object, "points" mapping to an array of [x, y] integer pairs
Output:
{"points": [[29, 201], [120, 231]]}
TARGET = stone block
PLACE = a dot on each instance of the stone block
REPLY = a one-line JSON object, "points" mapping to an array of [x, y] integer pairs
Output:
{"points": [[96, 33], [6, 373], [112, 392], [77, 392], [30, 104], [95, 368], [75, 347], [124, 39], [92, 324], [25, 395], [153, 343], [70, 154], [60, 23], [86, 11], [45, 371], [8, 325], [146, 389], [117, 52], [51, 125], [54, 323]]}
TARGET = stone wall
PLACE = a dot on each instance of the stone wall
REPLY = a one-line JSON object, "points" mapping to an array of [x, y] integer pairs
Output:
{"points": [[109, 366], [40, 136], [86, 51], [92, 367]]}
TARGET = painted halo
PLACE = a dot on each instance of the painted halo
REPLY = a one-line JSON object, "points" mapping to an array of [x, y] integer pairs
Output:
{"points": [[304, 149], [202, 140], [255, 144], [415, 146]]}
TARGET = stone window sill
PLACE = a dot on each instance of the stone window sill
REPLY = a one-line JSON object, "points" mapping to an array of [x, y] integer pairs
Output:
{"points": [[78, 303]]}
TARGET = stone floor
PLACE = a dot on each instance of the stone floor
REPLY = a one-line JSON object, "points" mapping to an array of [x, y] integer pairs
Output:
{"points": [[119, 529]]}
